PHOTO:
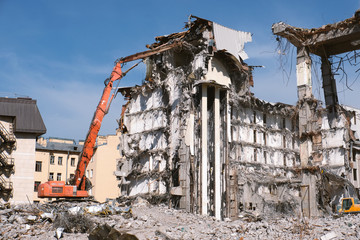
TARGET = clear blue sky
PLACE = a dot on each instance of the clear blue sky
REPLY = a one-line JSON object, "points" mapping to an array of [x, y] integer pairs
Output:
{"points": [[60, 52]]}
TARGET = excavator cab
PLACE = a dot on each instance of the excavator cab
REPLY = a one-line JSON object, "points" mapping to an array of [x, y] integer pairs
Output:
{"points": [[350, 205]]}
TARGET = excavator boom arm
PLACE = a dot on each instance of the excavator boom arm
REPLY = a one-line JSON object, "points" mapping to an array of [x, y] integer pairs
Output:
{"points": [[101, 110]]}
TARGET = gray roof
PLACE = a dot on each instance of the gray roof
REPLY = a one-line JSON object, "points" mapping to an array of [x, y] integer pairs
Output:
{"points": [[61, 147], [27, 118]]}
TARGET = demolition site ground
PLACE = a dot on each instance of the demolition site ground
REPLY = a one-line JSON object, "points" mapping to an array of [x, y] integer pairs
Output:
{"points": [[141, 220]]}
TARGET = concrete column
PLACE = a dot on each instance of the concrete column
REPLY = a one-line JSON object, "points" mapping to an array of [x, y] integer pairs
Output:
{"points": [[204, 148], [228, 116], [303, 73], [306, 120], [217, 154]]}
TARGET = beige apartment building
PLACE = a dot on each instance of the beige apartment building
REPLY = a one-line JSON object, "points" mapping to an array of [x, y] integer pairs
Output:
{"points": [[20, 124], [56, 159], [102, 167]]}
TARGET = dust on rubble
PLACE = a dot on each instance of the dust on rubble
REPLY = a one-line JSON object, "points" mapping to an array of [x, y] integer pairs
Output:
{"points": [[141, 220]]}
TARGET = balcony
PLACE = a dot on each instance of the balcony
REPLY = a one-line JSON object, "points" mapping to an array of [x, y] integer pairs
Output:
{"points": [[5, 186], [6, 135], [6, 161]]}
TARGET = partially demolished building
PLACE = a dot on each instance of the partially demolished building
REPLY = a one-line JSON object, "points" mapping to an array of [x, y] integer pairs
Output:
{"points": [[194, 133]]}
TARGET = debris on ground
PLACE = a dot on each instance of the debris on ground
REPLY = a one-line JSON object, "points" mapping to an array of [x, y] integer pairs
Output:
{"points": [[146, 221]]}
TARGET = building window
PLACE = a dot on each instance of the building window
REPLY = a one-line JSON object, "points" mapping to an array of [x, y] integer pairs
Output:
{"points": [[91, 173], [58, 177], [264, 119], [36, 186], [284, 159], [283, 123], [254, 136], [87, 173], [59, 160], [355, 174], [255, 155], [51, 176], [354, 155], [52, 159], [38, 165], [254, 120], [72, 162]]}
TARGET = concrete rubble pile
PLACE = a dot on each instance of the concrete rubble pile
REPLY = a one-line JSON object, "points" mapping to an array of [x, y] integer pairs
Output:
{"points": [[145, 221]]}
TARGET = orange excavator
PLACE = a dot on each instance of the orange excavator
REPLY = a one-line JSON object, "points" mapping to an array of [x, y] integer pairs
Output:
{"points": [[80, 184]]}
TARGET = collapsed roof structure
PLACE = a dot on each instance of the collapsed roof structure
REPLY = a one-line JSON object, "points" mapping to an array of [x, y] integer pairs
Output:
{"points": [[194, 134]]}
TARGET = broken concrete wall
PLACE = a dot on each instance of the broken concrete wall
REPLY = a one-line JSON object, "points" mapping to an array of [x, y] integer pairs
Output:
{"points": [[265, 152], [196, 135]]}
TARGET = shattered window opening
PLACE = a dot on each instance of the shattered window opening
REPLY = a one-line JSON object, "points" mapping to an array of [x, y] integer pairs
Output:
{"points": [[355, 174]]}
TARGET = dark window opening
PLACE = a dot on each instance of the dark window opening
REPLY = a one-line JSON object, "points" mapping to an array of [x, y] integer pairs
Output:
{"points": [[38, 166], [254, 136], [283, 123], [36, 186], [210, 98], [254, 115], [72, 162], [255, 155], [51, 176], [355, 174], [60, 160], [354, 155], [52, 159], [264, 119]]}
